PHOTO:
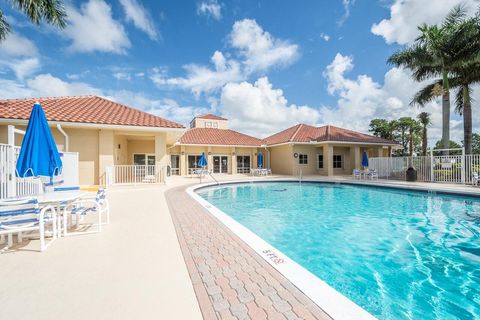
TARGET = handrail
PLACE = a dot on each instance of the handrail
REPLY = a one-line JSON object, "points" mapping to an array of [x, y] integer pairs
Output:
{"points": [[211, 175]]}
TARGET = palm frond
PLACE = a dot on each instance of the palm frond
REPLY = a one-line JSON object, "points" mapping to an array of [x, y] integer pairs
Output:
{"points": [[4, 26], [455, 16], [459, 101], [51, 11], [426, 94]]}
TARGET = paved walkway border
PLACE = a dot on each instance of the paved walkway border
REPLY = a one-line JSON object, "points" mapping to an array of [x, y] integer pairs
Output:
{"points": [[230, 279]]}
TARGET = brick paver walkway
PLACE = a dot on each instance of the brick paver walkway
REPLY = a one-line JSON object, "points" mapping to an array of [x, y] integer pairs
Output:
{"points": [[230, 280]]}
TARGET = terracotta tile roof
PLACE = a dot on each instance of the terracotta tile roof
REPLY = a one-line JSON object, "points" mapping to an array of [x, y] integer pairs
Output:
{"points": [[84, 109], [224, 137], [210, 116], [306, 133]]}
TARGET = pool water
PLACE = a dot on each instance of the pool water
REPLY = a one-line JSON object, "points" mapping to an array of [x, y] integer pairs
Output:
{"points": [[398, 254]]}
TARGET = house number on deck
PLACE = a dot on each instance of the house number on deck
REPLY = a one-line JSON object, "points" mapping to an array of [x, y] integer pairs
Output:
{"points": [[273, 256]]}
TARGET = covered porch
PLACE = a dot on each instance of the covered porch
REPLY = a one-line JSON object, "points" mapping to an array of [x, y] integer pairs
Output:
{"points": [[325, 159], [134, 156], [221, 159]]}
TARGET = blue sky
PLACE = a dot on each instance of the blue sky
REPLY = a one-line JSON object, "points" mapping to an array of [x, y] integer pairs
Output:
{"points": [[266, 65]]}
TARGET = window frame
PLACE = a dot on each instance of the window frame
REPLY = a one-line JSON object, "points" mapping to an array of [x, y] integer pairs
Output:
{"points": [[320, 162], [335, 162], [303, 159]]}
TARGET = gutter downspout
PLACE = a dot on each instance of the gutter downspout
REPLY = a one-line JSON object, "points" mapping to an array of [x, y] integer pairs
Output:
{"points": [[59, 127]]}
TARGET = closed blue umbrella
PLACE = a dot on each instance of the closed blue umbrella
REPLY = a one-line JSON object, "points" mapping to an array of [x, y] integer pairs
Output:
{"points": [[260, 160], [39, 155], [203, 161], [365, 159]]}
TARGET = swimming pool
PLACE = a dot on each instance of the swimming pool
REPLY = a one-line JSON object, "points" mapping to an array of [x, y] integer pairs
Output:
{"points": [[398, 254]]}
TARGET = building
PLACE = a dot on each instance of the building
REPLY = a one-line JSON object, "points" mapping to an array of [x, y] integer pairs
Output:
{"points": [[103, 132], [106, 133], [227, 151], [325, 150]]}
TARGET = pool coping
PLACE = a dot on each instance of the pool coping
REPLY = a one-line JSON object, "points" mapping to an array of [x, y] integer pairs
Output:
{"points": [[335, 304]]}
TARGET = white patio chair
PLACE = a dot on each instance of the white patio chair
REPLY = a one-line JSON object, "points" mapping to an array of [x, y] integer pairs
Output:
{"points": [[83, 207], [372, 174], [357, 174], [475, 178], [25, 216]]}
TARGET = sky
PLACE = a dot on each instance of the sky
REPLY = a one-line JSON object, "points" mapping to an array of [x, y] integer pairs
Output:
{"points": [[265, 65]]}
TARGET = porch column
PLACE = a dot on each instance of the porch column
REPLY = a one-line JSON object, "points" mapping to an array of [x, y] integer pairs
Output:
{"points": [[209, 158], [380, 152], [233, 160], [161, 157], [328, 159], [183, 161], [254, 158], [357, 164], [106, 156]]}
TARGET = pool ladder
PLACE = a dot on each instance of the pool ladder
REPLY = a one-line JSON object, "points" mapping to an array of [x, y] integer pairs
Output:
{"points": [[300, 176]]}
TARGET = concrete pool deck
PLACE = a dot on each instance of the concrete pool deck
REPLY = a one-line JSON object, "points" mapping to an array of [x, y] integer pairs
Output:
{"points": [[136, 266]]}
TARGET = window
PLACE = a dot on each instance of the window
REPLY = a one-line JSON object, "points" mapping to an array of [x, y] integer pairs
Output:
{"points": [[141, 159], [193, 163], [215, 124], [319, 161], [337, 161], [302, 159], [208, 124], [243, 164], [175, 164]]}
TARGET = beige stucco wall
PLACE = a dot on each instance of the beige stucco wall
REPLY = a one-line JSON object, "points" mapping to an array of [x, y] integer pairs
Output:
{"points": [[208, 123], [139, 146], [121, 149], [281, 159]]}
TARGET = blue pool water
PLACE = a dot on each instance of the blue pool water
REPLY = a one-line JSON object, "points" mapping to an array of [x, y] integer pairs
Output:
{"points": [[398, 254]]}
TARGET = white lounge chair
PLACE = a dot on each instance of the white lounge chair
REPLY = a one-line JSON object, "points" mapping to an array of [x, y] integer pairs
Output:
{"points": [[357, 174], [25, 216], [82, 207], [475, 178], [372, 174]]}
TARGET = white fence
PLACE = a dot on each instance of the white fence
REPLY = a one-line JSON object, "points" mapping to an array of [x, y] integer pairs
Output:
{"points": [[10, 185], [134, 174], [447, 169]]}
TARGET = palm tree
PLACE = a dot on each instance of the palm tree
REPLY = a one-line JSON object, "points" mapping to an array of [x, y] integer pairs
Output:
{"points": [[464, 73], [52, 11], [424, 119], [430, 56]]}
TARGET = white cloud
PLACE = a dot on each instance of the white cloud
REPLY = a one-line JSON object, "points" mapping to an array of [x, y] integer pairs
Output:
{"points": [[16, 45], [200, 78], [259, 49], [362, 99], [140, 17], [346, 6], [324, 36], [122, 76], [210, 8], [24, 67], [92, 28], [165, 108], [260, 110], [406, 15], [48, 85], [20, 55], [44, 85]]}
